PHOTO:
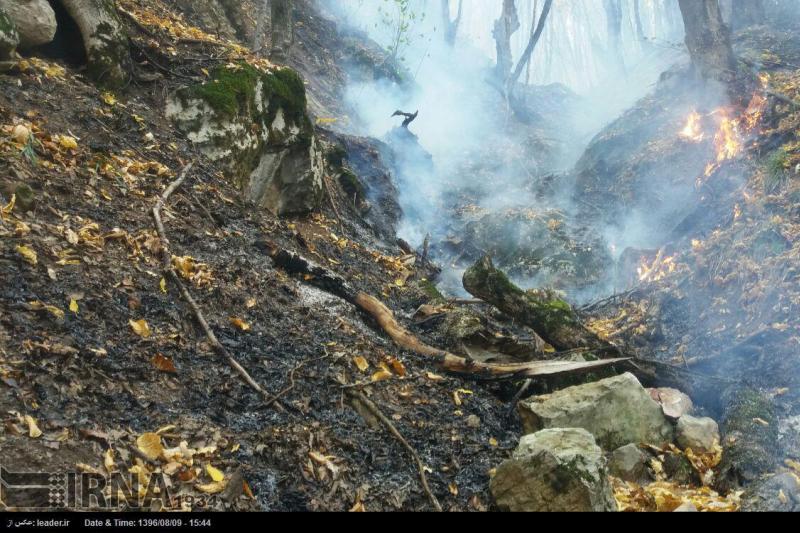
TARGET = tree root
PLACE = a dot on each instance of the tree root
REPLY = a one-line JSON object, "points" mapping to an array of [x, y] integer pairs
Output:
{"points": [[333, 284], [169, 271], [372, 408]]}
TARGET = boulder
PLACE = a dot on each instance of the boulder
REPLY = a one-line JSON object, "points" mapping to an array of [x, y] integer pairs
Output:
{"points": [[555, 470], [9, 38], [673, 402], [699, 434], [35, 21], [255, 125], [628, 463], [617, 411]]}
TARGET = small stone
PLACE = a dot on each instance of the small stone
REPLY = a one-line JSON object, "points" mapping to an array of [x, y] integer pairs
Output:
{"points": [[628, 463], [699, 434], [673, 402], [473, 421]]}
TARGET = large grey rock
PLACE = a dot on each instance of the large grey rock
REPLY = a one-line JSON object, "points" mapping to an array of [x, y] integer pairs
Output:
{"points": [[699, 434], [628, 463], [9, 38], [617, 411], [255, 124], [555, 470], [35, 21]]}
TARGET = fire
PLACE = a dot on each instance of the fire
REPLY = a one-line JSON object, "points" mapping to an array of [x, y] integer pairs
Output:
{"points": [[693, 131], [728, 141], [658, 269]]}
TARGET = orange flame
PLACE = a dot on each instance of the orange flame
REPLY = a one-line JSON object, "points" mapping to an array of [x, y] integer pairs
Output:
{"points": [[693, 131], [657, 270]]}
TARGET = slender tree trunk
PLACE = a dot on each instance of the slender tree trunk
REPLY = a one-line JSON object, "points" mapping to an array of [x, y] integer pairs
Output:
{"points": [[746, 13], [708, 40], [504, 29], [534, 40], [450, 25], [613, 10], [637, 14], [282, 29]]}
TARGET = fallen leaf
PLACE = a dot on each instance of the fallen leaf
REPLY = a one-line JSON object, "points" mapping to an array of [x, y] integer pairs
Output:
{"points": [[163, 285], [493, 442], [361, 363], [382, 375], [240, 324], [212, 488], [67, 142], [150, 445], [108, 460], [140, 327], [33, 428], [398, 367], [27, 253], [73, 306], [214, 473], [434, 377], [164, 364]]}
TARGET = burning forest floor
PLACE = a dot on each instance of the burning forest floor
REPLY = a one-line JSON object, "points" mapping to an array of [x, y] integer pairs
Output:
{"points": [[103, 367]]}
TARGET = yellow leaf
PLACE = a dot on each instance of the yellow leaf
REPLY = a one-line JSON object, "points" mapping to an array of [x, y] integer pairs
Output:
{"points": [[140, 327], [398, 367], [108, 460], [381, 375], [73, 306], [493, 442], [163, 285], [214, 473], [240, 324], [150, 445], [212, 488], [33, 428], [109, 99], [27, 253], [6, 211], [434, 377], [67, 142], [20, 134], [453, 488], [361, 363], [251, 303]]}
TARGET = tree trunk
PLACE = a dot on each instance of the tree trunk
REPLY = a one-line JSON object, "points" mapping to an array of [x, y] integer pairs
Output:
{"points": [[708, 40], [613, 9], [746, 13], [549, 316], [637, 15], [504, 28], [534, 40], [105, 40], [451, 26], [282, 29]]}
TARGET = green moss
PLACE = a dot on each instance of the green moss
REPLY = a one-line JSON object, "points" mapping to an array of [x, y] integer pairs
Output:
{"points": [[351, 185], [6, 25], [430, 290], [752, 450], [336, 156], [230, 90]]}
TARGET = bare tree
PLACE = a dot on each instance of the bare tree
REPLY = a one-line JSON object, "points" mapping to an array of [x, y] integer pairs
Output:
{"points": [[536, 34], [451, 25], [504, 28], [746, 13], [613, 9], [708, 40], [281, 16]]}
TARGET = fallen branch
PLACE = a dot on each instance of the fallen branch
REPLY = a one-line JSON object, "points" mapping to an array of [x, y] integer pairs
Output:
{"points": [[169, 271], [372, 408], [333, 284]]}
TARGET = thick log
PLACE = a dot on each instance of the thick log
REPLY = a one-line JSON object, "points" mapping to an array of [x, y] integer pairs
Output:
{"points": [[384, 317], [553, 319]]}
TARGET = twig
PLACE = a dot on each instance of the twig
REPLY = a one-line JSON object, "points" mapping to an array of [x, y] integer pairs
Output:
{"points": [[515, 400], [169, 271], [372, 408]]}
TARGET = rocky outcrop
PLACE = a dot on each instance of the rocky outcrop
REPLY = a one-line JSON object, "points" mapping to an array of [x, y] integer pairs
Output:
{"points": [[9, 38], [105, 40], [555, 470], [35, 21], [699, 434], [255, 125], [617, 411]]}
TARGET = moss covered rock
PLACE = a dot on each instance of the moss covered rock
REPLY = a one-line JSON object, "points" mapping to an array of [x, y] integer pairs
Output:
{"points": [[9, 38], [256, 125]]}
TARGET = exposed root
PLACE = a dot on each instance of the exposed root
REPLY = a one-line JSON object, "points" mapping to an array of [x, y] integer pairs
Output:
{"points": [[372, 408], [169, 271]]}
